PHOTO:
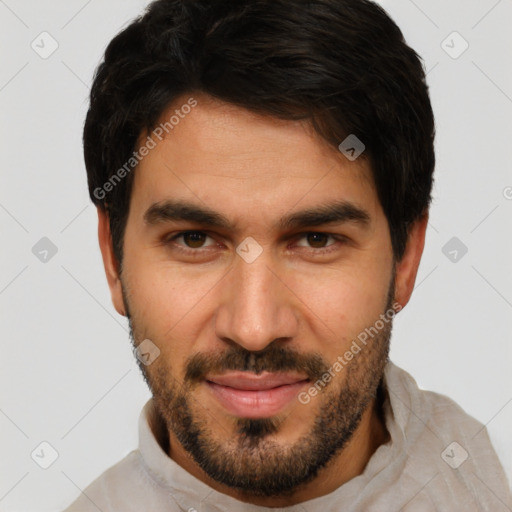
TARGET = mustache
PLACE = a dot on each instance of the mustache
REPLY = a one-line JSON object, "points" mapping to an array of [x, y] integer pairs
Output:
{"points": [[273, 359]]}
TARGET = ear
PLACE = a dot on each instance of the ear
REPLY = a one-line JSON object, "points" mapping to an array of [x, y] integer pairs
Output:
{"points": [[109, 262], [407, 267]]}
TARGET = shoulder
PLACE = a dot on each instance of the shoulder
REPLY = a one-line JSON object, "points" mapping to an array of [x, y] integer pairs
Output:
{"points": [[121, 487], [413, 406], [445, 446]]}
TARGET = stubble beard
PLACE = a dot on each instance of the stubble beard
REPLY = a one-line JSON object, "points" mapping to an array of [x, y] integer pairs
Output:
{"points": [[248, 459]]}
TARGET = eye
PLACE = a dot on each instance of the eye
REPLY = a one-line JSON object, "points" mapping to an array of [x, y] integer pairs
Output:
{"points": [[191, 239], [317, 240], [195, 242]]}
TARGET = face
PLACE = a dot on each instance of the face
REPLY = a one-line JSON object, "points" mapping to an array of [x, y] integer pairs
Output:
{"points": [[254, 256]]}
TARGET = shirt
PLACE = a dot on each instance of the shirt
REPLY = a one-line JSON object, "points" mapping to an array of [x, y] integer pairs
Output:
{"points": [[438, 458]]}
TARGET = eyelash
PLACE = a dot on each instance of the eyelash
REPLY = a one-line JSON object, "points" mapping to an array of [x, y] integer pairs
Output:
{"points": [[322, 250]]}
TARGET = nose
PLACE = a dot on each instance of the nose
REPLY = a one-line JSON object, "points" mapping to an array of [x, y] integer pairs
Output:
{"points": [[256, 306]]}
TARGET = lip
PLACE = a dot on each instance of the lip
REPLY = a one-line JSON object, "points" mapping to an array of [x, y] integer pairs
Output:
{"points": [[248, 395]]}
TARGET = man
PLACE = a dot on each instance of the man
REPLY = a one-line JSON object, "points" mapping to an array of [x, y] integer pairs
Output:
{"points": [[262, 172]]}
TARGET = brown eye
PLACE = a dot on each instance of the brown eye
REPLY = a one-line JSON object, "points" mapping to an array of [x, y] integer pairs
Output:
{"points": [[190, 240], [194, 239], [320, 243], [317, 240]]}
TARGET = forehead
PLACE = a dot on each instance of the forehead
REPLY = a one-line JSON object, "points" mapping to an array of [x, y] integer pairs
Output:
{"points": [[220, 154]]}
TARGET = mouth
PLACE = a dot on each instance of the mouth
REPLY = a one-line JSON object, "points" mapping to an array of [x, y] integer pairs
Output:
{"points": [[247, 395]]}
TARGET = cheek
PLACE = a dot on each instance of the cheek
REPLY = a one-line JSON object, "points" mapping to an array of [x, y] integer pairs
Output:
{"points": [[344, 300], [168, 303]]}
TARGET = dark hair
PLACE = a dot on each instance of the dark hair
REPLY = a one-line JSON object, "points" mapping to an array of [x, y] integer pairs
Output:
{"points": [[343, 65]]}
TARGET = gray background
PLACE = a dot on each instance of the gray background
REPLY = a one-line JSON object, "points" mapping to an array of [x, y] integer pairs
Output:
{"points": [[67, 374]]}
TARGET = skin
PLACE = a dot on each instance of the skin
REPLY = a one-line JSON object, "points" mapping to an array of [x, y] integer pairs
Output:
{"points": [[309, 298]]}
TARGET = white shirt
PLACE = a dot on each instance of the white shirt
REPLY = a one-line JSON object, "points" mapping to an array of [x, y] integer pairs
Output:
{"points": [[438, 459]]}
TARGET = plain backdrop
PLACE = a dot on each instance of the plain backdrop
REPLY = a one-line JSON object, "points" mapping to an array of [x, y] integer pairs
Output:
{"points": [[68, 376]]}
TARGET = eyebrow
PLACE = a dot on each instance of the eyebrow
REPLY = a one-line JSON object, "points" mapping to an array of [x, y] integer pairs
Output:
{"points": [[337, 212]]}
